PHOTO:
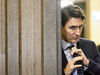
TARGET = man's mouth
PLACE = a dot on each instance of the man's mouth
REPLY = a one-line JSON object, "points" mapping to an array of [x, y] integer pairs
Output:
{"points": [[75, 38]]}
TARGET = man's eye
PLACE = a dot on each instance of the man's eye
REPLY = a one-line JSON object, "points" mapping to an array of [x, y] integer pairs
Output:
{"points": [[72, 27], [81, 26]]}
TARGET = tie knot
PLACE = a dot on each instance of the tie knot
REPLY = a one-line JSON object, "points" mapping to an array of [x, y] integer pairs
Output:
{"points": [[69, 47]]}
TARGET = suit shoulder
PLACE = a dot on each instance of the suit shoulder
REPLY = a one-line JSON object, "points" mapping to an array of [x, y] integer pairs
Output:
{"points": [[86, 40]]}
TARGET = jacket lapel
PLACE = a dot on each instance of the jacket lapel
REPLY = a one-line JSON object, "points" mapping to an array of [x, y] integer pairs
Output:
{"points": [[80, 44], [64, 60]]}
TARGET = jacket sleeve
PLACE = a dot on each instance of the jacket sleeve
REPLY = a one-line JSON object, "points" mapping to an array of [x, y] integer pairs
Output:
{"points": [[94, 64], [63, 72]]}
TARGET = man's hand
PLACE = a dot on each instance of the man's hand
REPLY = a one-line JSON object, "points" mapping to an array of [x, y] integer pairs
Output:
{"points": [[80, 53], [71, 65]]}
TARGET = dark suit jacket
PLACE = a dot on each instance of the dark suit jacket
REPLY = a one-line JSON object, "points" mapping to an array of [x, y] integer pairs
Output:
{"points": [[91, 52]]}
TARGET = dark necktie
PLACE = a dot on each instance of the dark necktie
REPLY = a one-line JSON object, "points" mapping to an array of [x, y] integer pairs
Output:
{"points": [[69, 47], [80, 70]]}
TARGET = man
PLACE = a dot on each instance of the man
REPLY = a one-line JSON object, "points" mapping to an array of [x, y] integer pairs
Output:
{"points": [[72, 23]]}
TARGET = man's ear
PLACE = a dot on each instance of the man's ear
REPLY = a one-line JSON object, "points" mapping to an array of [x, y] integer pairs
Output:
{"points": [[62, 29], [62, 26]]}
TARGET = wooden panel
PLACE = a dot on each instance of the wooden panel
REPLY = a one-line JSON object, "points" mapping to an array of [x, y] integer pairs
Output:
{"points": [[31, 37], [12, 37], [2, 37], [50, 38]]}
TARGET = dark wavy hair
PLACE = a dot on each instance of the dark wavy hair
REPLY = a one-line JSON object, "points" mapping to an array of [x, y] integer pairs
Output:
{"points": [[71, 11]]}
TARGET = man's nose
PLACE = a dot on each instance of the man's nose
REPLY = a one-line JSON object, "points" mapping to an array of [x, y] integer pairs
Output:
{"points": [[77, 32]]}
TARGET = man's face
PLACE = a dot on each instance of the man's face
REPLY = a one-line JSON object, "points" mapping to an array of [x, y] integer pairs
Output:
{"points": [[72, 30]]}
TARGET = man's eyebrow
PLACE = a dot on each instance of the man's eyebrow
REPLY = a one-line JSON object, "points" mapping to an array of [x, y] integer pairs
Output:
{"points": [[76, 26], [81, 25], [73, 26]]}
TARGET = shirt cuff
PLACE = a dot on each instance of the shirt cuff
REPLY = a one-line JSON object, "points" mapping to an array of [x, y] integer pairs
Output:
{"points": [[85, 68]]}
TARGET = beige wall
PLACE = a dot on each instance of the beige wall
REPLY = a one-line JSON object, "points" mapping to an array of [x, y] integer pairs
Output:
{"points": [[93, 27]]}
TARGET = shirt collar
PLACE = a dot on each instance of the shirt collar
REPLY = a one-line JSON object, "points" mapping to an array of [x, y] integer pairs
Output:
{"points": [[66, 44]]}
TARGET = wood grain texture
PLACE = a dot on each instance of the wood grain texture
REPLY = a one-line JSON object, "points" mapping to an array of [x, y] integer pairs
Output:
{"points": [[2, 38], [31, 37], [12, 37]]}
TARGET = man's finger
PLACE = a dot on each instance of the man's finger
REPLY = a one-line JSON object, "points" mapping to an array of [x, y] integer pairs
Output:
{"points": [[73, 51], [77, 59], [76, 66]]}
